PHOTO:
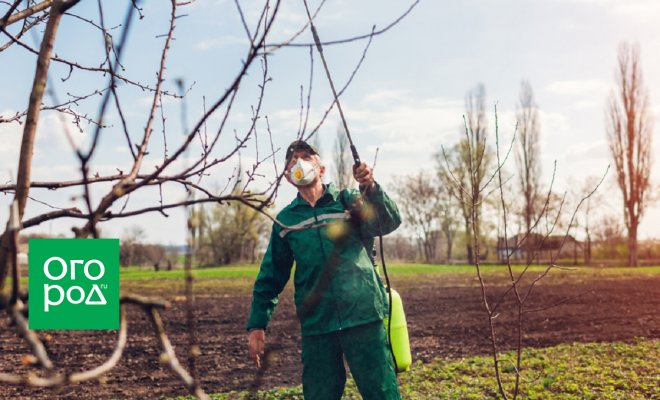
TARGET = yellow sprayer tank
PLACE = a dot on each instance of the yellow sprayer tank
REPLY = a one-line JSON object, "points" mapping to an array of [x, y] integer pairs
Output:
{"points": [[399, 334]]}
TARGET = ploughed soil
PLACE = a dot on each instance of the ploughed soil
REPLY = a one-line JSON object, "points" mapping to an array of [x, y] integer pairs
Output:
{"points": [[445, 319]]}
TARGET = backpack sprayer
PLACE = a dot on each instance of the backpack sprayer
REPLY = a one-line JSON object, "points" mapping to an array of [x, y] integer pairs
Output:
{"points": [[397, 330]]}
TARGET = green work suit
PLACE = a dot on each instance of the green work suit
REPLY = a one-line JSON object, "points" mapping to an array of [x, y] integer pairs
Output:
{"points": [[339, 296]]}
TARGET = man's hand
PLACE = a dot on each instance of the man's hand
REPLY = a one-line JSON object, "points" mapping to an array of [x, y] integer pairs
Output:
{"points": [[365, 176], [256, 339]]}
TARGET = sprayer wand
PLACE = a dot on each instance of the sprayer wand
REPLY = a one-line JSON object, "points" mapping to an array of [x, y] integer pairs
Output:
{"points": [[319, 47], [356, 161]]}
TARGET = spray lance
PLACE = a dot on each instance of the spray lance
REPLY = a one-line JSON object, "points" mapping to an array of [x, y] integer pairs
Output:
{"points": [[398, 340]]}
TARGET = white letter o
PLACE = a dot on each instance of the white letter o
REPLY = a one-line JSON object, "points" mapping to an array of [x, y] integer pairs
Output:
{"points": [[101, 271], [47, 271], [80, 290]]}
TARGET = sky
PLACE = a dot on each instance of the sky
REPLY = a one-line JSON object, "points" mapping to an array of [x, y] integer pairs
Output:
{"points": [[406, 100]]}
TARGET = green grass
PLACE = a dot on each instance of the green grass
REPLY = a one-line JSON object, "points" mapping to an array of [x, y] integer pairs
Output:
{"points": [[216, 281], [250, 271], [418, 275], [568, 371], [238, 279], [445, 269], [230, 272]]}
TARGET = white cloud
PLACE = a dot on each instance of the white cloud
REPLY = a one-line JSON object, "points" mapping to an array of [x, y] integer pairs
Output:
{"points": [[592, 151], [290, 12], [582, 88], [10, 137], [568, 25], [147, 101], [55, 172], [589, 103], [637, 9], [555, 128], [51, 151], [384, 97], [60, 130], [406, 129], [621, 5], [288, 120]]}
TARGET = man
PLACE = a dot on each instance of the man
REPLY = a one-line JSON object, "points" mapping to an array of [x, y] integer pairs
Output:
{"points": [[339, 297]]}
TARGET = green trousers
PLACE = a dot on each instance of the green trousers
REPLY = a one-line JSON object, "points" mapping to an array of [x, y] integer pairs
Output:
{"points": [[367, 355]]}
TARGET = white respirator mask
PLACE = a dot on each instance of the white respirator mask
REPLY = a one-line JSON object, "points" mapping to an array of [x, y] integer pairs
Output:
{"points": [[302, 173]]}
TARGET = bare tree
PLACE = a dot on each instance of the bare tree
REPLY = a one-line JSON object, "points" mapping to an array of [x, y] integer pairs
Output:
{"points": [[400, 248], [468, 162], [448, 218], [528, 154], [450, 167], [585, 215], [629, 133], [343, 161], [230, 233], [131, 178], [609, 237], [520, 286], [419, 198], [129, 245], [609, 230], [152, 165]]}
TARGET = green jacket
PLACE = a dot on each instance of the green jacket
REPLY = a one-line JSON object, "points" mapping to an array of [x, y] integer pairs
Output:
{"points": [[336, 286]]}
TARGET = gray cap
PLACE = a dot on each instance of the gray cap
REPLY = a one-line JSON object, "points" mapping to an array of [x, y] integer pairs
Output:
{"points": [[298, 145]]}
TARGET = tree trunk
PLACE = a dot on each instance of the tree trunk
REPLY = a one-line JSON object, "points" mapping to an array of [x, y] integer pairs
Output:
{"points": [[430, 243], [529, 250], [632, 245], [23, 178], [449, 247], [468, 242], [470, 255]]}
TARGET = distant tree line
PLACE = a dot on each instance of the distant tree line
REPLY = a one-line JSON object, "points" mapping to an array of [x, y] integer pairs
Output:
{"points": [[230, 233], [133, 251], [225, 233], [441, 216], [439, 221]]}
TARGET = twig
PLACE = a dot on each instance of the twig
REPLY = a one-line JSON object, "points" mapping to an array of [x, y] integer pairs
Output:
{"points": [[30, 337], [169, 356], [10, 19], [558, 303], [354, 38]]}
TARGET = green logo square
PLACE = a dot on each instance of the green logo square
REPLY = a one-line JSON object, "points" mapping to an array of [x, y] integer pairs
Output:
{"points": [[73, 283]]}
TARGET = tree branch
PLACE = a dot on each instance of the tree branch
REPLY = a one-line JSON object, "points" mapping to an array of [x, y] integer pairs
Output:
{"points": [[10, 19]]}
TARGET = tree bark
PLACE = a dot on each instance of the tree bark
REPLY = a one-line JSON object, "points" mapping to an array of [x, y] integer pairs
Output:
{"points": [[31, 121], [468, 243], [633, 260], [449, 247]]}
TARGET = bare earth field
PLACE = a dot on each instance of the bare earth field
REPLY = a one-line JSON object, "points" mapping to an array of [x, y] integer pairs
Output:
{"points": [[445, 319]]}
